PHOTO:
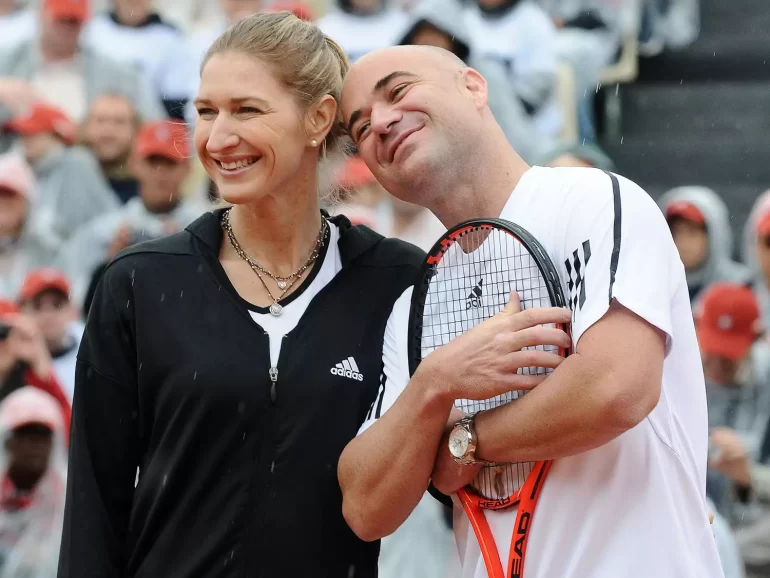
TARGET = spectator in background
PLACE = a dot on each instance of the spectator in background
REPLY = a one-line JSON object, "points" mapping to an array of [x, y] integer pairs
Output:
{"points": [[440, 23], [109, 131], [34, 469], [58, 68], [700, 224], [751, 476], [365, 201], [588, 39], [756, 253], [25, 360], [520, 36], [17, 23], [21, 249], [161, 163], [736, 366], [45, 297], [587, 155], [360, 26], [133, 34], [71, 189]]}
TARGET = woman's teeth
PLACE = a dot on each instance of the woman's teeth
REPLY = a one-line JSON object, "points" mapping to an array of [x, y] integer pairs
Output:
{"points": [[239, 164]]}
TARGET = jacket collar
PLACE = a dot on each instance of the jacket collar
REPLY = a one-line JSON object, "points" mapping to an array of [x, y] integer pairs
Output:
{"points": [[354, 241]]}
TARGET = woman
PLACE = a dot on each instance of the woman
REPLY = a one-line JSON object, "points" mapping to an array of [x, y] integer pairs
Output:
{"points": [[232, 362]]}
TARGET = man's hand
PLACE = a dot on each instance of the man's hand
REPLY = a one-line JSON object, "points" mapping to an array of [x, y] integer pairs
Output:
{"points": [[731, 457], [17, 94], [484, 361], [26, 343], [124, 237]]}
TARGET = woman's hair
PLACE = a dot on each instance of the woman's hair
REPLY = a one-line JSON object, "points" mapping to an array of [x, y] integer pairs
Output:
{"points": [[309, 63]]}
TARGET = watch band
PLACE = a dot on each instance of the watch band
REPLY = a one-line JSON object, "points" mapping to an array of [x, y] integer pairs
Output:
{"points": [[469, 459]]}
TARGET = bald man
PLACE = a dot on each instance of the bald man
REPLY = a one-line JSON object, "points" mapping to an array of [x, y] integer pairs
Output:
{"points": [[624, 417]]}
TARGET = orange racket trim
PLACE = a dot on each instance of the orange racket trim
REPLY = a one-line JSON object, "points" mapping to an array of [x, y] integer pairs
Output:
{"points": [[483, 534]]}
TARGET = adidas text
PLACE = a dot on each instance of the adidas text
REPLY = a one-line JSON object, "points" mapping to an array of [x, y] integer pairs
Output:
{"points": [[347, 368]]}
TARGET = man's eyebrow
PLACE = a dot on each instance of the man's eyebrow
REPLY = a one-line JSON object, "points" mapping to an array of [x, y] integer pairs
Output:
{"points": [[378, 86]]}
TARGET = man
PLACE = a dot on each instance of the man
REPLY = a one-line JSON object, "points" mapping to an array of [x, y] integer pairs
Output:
{"points": [[700, 224], [133, 34], [108, 131], [56, 67], [161, 163], [45, 297], [32, 489], [71, 189], [624, 416], [21, 248]]}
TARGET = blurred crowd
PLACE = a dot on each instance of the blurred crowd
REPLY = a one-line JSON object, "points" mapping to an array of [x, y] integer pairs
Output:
{"points": [[95, 156]]}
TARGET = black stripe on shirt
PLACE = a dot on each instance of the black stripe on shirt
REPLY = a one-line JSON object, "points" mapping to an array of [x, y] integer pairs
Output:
{"points": [[615, 231]]}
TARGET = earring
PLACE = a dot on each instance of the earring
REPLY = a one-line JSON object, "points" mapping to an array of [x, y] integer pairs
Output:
{"points": [[314, 142]]}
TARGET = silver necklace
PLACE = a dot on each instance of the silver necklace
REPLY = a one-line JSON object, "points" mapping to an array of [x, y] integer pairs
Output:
{"points": [[284, 283]]}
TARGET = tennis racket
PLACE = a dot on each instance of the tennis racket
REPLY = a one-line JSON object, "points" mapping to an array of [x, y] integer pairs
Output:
{"points": [[467, 278]]}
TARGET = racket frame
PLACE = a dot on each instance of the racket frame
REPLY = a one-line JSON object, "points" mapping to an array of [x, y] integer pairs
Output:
{"points": [[526, 496]]}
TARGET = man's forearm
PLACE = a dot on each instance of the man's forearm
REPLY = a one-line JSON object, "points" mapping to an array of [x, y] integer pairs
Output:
{"points": [[385, 471], [575, 410]]}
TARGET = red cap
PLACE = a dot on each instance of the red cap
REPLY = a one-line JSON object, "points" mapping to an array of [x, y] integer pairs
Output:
{"points": [[685, 210], [727, 320], [44, 117], [30, 405], [299, 9], [163, 138], [763, 226], [354, 173], [8, 307], [67, 9], [41, 280]]}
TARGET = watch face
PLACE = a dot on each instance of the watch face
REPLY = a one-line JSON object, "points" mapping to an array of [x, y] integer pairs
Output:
{"points": [[459, 440]]}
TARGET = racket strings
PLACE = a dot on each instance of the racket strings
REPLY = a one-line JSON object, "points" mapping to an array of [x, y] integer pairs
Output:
{"points": [[473, 282]]}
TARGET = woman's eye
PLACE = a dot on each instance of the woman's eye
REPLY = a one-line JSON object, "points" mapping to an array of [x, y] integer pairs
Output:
{"points": [[205, 111], [249, 110], [398, 90], [362, 130]]}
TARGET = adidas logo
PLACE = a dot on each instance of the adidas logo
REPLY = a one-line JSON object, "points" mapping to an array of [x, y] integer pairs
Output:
{"points": [[474, 297], [347, 368]]}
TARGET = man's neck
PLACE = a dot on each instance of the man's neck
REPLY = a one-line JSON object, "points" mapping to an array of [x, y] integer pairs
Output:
{"points": [[51, 54], [484, 189]]}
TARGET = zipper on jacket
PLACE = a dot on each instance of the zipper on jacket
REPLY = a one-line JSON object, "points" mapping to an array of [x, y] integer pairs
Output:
{"points": [[274, 380]]}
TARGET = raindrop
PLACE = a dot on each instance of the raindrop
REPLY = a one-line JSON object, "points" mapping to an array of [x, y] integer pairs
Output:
{"points": [[165, 479], [621, 140], [140, 366], [681, 81], [162, 297], [200, 268], [128, 303], [181, 293], [195, 375], [272, 467], [244, 435]]}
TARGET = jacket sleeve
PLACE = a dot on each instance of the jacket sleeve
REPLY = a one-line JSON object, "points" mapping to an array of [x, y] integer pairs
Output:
{"points": [[104, 439]]}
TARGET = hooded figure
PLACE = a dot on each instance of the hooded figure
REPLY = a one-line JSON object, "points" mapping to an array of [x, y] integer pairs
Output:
{"points": [[700, 225], [34, 469], [442, 23], [756, 252]]}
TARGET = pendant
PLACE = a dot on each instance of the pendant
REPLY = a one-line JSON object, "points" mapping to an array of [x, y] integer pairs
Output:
{"points": [[281, 284], [275, 309]]}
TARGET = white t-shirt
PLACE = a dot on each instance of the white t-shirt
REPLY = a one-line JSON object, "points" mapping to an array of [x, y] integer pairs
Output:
{"points": [[157, 50], [635, 507], [359, 35], [17, 27]]}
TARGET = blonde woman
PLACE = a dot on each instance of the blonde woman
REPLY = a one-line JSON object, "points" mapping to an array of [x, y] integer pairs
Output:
{"points": [[232, 362]]}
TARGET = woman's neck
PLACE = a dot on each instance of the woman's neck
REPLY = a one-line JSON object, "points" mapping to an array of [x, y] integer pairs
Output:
{"points": [[279, 231]]}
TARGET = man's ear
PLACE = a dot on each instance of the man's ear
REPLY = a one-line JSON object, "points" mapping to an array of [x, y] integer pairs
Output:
{"points": [[320, 118], [476, 85]]}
